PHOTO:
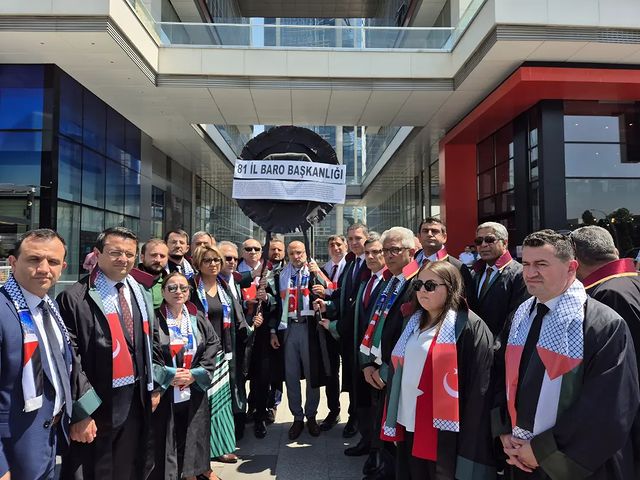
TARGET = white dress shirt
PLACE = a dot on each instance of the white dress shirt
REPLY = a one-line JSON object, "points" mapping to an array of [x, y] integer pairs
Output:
{"points": [[494, 272], [415, 356], [32, 302], [114, 291]]}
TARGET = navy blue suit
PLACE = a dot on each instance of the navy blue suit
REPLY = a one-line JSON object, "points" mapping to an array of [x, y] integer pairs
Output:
{"points": [[28, 440]]}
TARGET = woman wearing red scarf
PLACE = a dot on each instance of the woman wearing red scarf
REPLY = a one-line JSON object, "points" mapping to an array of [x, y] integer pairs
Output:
{"points": [[437, 408]]}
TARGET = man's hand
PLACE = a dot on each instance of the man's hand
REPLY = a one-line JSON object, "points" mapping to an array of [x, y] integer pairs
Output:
{"points": [[320, 304], [155, 400], [183, 378], [525, 453], [313, 267], [318, 290], [84, 431], [6, 476], [275, 343], [257, 320], [325, 323]]}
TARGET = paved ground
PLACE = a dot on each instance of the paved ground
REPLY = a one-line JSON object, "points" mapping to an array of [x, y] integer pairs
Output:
{"points": [[307, 458]]}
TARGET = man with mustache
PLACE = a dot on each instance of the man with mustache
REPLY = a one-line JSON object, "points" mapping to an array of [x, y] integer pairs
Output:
{"points": [[152, 270]]}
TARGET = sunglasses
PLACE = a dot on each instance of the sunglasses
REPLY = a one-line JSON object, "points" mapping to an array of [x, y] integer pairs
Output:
{"points": [[173, 288], [489, 239], [211, 260], [231, 259], [252, 249], [429, 285]]}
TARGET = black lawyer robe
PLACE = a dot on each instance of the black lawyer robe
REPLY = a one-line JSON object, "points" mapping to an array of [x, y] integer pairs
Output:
{"points": [[591, 438], [198, 429]]}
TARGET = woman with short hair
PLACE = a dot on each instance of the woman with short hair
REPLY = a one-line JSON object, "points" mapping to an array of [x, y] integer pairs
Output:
{"points": [[437, 405]]}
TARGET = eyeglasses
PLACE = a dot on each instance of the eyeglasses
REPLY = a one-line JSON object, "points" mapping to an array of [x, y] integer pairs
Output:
{"points": [[173, 288], [231, 259], [489, 239], [252, 249], [115, 254], [373, 253], [211, 260], [393, 251], [429, 285]]}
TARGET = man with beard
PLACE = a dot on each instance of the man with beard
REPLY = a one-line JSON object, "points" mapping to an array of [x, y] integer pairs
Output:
{"points": [[152, 270], [276, 254], [382, 333], [178, 243]]}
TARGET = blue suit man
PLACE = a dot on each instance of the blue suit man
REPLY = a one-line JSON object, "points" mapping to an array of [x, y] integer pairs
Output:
{"points": [[35, 361]]}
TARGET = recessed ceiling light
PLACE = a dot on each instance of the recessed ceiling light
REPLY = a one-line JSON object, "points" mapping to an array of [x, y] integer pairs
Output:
{"points": [[41, 43]]}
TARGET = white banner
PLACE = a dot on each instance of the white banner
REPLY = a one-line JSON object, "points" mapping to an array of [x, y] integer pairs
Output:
{"points": [[289, 180]]}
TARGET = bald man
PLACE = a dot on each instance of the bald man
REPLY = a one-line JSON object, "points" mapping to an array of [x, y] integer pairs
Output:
{"points": [[301, 338]]}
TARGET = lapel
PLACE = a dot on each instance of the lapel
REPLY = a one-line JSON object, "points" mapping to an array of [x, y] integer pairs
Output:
{"points": [[344, 285]]}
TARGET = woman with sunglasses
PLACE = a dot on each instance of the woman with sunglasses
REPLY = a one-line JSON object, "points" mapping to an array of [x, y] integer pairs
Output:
{"points": [[186, 346], [437, 408], [211, 298]]}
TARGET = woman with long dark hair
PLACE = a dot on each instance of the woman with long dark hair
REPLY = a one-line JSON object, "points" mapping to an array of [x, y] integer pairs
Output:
{"points": [[186, 346], [437, 405]]}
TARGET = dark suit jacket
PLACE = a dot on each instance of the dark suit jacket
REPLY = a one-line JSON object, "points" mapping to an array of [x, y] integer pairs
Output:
{"points": [[25, 447], [504, 296]]}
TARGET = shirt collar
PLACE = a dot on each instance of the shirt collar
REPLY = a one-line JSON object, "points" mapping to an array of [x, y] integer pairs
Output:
{"points": [[112, 283], [33, 301], [553, 303]]}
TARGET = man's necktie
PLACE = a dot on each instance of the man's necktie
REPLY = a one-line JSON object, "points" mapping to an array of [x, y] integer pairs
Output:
{"points": [[532, 339], [368, 290], [486, 283], [59, 367], [125, 311], [334, 270], [355, 270]]}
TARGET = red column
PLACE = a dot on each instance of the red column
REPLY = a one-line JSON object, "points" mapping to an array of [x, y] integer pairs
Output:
{"points": [[458, 194]]}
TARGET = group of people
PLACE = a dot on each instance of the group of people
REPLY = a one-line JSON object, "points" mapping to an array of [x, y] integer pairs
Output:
{"points": [[499, 369]]}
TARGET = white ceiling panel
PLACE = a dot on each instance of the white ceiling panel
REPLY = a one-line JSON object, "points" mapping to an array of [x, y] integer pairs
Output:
{"points": [[236, 105], [382, 107], [420, 108], [308, 106], [273, 106], [346, 107]]}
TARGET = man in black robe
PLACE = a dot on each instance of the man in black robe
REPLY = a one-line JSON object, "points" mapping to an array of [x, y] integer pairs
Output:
{"points": [[566, 375], [110, 322]]}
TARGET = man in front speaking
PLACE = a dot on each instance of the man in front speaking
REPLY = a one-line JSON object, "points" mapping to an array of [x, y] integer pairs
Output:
{"points": [[36, 359], [566, 375]]}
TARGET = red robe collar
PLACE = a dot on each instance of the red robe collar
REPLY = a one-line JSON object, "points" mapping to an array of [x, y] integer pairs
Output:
{"points": [[502, 262], [623, 267]]}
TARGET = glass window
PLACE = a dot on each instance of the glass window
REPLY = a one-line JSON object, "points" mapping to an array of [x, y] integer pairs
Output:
{"points": [[506, 202], [70, 108], [487, 207], [93, 177], [486, 185], [94, 122], [485, 155], [534, 195], [69, 171], [69, 228], [592, 128], [132, 224], [21, 97], [504, 144], [92, 223], [601, 197], [114, 199], [504, 176], [598, 160], [133, 145], [113, 219], [533, 164], [20, 157], [115, 136], [131, 192]]}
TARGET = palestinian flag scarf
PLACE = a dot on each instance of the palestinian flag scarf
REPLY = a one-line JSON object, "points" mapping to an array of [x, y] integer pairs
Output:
{"points": [[32, 379], [227, 343], [372, 340], [182, 343], [442, 361], [560, 349], [294, 285], [122, 361]]}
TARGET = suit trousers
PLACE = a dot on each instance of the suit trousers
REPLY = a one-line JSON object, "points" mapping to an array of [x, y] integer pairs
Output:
{"points": [[409, 467], [297, 362], [332, 389]]}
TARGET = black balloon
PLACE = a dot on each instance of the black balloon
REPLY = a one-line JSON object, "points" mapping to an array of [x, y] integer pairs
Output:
{"points": [[279, 216]]}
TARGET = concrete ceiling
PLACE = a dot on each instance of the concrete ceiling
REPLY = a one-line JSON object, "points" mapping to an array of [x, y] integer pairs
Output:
{"points": [[309, 8]]}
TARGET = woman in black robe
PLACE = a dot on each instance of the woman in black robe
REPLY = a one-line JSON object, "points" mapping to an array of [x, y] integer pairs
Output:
{"points": [[437, 402], [185, 349]]}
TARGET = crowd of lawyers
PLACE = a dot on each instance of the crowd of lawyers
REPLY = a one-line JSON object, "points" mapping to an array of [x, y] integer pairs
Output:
{"points": [[477, 369]]}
